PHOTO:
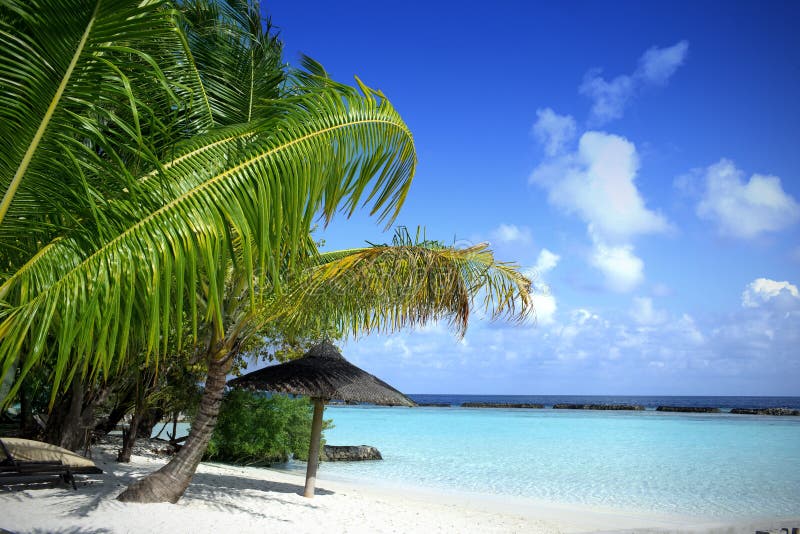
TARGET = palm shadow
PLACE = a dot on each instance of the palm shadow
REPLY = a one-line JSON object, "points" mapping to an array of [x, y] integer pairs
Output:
{"points": [[212, 488], [70, 530], [209, 486]]}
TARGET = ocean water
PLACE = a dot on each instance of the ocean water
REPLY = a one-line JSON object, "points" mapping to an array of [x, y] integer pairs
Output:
{"points": [[710, 465], [649, 402]]}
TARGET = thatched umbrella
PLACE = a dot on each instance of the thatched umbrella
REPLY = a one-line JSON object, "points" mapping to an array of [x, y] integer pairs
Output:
{"points": [[322, 374]]}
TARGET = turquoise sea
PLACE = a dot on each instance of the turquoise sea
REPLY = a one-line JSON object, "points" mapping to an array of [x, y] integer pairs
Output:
{"points": [[712, 465]]}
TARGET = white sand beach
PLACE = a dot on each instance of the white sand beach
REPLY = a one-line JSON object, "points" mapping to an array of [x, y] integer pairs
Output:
{"points": [[226, 498]]}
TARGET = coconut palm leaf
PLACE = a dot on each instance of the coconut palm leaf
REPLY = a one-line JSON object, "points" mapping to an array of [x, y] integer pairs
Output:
{"points": [[259, 185], [91, 93], [238, 59], [404, 284]]}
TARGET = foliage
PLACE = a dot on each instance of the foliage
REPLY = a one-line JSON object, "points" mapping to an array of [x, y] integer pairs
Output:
{"points": [[408, 282], [256, 429], [135, 203], [160, 173]]}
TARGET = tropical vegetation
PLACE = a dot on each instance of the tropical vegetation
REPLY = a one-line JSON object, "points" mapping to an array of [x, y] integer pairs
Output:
{"points": [[254, 429], [162, 171]]}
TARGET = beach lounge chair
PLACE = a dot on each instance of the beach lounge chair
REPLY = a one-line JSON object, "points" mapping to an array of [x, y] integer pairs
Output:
{"points": [[25, 460]]}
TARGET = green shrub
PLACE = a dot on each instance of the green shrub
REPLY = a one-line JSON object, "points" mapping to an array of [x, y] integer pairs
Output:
{"points": [[256, 429]]}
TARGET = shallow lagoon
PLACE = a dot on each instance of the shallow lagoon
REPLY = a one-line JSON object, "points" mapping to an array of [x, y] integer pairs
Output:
{"points": [[717, 465]]}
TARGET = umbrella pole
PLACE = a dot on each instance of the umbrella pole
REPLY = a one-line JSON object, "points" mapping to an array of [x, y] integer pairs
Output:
{"points": [[313, 450]]}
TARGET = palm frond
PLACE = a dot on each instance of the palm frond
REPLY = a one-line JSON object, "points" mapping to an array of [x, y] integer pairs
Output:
{"points": [[91, 93], [393, 286], [259, 185], [238, 59]]}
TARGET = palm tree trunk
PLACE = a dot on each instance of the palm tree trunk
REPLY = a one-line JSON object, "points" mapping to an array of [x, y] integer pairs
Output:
{"points": [[64, 422], [168, 483], [313, 449]]}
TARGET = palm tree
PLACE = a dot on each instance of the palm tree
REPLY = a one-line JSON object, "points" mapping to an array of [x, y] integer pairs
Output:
{"points": [[140, 236], [160, 177], [111, 233], [152, 80], [353, 292]]}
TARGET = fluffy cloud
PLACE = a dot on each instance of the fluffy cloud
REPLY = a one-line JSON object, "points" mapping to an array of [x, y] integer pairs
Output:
{"points": [[544, 307], [544, 302], [511, 233], [597, 182], [580, 321], [553, 131], [609, 98], [546, 261], [622, 269], [657, 65], [747, 351], [763, 290], [745, 209]]}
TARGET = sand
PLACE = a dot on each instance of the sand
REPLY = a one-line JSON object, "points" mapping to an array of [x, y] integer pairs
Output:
{"points": [[240, 500]]}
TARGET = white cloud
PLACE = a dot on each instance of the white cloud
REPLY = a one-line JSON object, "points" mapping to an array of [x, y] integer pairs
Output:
{"points": [[553, 131], [546, 261], [691, 332], [763, 290], [544, 306], [397, 345], [609, 98], [745, 209], [643, 312], [598, 184], [750, 350], [686, 326], [544, 302], [511, 233], [580, 321], [657, 65], [622, 269], [581, 316]]}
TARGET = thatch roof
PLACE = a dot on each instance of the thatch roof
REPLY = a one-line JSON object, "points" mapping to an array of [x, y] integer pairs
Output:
{"points": [[323, 373]]}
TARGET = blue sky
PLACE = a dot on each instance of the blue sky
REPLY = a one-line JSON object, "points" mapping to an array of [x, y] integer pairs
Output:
{"points": [[639, 160]]}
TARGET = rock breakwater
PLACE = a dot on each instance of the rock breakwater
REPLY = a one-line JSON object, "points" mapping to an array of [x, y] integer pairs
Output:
{"points": [[501, 405], [635, 407], [688, 409], [766, 411]]}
